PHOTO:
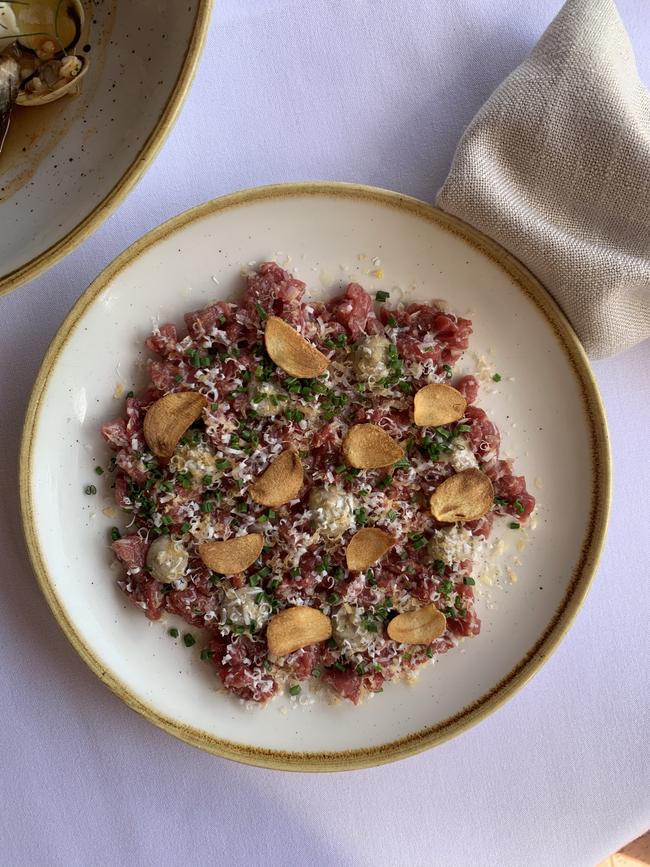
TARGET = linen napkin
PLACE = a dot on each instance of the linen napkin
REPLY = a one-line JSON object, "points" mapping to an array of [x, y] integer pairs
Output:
{"points": [[556, 168]]}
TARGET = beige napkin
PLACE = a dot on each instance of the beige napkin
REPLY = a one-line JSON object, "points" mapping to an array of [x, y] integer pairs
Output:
{"points": [[556, 168]]}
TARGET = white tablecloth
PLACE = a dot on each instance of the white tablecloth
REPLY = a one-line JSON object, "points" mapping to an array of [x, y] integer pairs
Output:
{"points": [[376, 91]]}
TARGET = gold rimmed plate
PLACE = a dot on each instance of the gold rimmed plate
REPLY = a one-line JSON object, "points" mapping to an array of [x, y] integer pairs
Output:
{"points": [[66, 166], [546, 404]]}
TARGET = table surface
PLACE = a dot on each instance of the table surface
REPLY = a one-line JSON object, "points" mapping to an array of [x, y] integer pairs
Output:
{"points": [[374, 91]]}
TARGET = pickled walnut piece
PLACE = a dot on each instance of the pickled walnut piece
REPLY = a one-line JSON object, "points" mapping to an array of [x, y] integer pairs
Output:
{"points": [[280, 482], [465, 496], [290, 351], [232, 556], [297, 627], [168, 418], [421, 626], [438, 404], [367, 547], [367, 446]]}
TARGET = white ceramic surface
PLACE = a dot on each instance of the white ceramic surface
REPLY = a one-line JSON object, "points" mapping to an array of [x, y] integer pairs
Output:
{"points": [[62, 161], [539, 407]]}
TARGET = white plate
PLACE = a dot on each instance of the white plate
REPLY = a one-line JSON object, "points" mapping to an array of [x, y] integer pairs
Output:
{"points": [[547, 408]]}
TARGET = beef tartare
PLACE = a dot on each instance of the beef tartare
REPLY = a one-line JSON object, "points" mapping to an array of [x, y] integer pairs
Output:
{"points": [[308, 484]]}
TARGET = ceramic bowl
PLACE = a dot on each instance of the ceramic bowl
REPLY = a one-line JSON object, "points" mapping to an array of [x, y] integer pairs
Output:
{"points": [[546, 405], [65, 166]]}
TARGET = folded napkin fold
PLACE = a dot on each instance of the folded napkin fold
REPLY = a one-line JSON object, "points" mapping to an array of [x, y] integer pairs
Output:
{"points": [[556, 168]]}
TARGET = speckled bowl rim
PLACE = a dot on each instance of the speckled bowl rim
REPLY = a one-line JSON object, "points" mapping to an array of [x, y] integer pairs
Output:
{"points": [[577, 588], [45, 260]]}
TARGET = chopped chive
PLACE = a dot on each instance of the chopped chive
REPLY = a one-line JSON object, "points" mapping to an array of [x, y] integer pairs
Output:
{"points": [[430, 652], [189, 639], [206, 653], [261, 312], [419, 543], [339, 666], [382, 296], [333, 598], [463, 428], [497, 377], [392, 514], [99, 471], [360, 516], [185, 528], [447, 369], [296, 689], [470, 582], [173, 632], [115, 534], [446, 586], [519, 506], [514, 525], [392, 322]]}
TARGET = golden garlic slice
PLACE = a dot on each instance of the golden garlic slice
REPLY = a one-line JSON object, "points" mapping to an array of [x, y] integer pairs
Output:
{"points": [[367, 547], [168, 418], [438, 404], [367, 446], [421, 626], [465, 496], [297, 627], [280, 482], [232, 556], [290, 351]]}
